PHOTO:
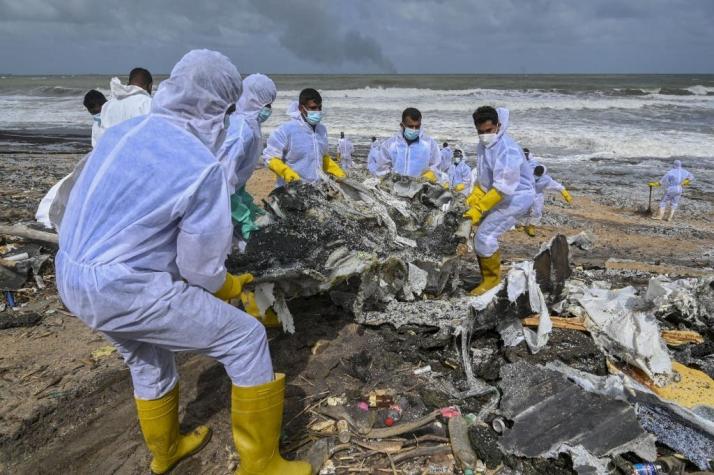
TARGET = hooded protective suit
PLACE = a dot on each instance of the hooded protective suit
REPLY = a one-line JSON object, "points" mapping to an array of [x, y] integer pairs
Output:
{"points": [[446, 157], [241, 150], [460, 173], [127, 102], [398, 156], [672, 184], [147, 230], [373, 156], [502, 165], [543, 183], [344, 150], [299, 145]]}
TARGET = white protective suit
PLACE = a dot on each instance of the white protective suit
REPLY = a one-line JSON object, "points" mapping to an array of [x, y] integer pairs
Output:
{"points": [[502, 165], [446, 158], [543, 183], [672, 184], [373, 156], [460, 173], [344, 150], [397, 156], [241, 150], [42, 215], [126, 103], [147, 230], [299, 145]]}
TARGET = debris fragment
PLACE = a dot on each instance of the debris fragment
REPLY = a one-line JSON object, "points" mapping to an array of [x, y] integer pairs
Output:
{"points": [[587, 426], [103, 352], [623, 330]]}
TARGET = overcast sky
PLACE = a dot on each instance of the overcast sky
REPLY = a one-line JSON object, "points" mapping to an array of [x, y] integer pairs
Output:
{"points": [[361, 36]]}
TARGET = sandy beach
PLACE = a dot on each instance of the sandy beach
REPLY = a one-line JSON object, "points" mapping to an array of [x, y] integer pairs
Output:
{"points": [[57, 391]]}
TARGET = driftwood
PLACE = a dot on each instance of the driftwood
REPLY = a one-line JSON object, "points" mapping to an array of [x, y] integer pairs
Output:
{"points": [[20, 230], [670, 337]]}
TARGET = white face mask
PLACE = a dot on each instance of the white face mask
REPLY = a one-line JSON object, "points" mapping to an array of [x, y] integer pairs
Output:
{"points": [[227, 121], [487, 139]]}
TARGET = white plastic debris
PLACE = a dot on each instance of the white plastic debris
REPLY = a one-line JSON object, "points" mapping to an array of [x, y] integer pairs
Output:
{"points": [[621, 329], [522, 278]]}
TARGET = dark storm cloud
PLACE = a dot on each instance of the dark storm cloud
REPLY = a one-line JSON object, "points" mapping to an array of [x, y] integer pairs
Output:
{"points": [[309, 30], [366, 36]]}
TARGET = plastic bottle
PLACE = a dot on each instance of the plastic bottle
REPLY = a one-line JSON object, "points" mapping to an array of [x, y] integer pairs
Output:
{"points": [[648, 468]]}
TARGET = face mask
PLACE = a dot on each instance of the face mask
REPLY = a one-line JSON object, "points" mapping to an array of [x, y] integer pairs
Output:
{"points": [[487, 139], [411, 134], [264, 114], [97, 118], [457, 160], [226, 121], [313, 117]]}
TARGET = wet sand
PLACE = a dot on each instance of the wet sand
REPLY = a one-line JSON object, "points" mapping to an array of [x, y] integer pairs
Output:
{"points": [[63, 411]]}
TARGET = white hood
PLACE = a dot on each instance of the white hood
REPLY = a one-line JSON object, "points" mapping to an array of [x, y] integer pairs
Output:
{"points": [[120, 91], [202, 87], [258, 91]]}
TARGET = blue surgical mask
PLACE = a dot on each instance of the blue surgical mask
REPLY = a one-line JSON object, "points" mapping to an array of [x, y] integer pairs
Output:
{"points": [[313, 117], [411, 134], [264, 114], [226, 121], [97, 118]]}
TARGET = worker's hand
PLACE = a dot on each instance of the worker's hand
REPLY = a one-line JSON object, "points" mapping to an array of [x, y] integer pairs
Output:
{"points": [[330, 166], [653, 184], [233, 286], [474, 214], [686, 182], [566, 196], [445, 186], [270, 319], [429, 176], [281, 169], [475, 196], [459, 187]]}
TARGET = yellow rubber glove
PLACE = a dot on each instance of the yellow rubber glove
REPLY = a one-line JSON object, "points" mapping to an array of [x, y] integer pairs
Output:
{"points": [[475, 195], [279, 167], [486, 203], [429, 176], [566, 196], [270, 319], [330, 166], [459, 187], [653, 184], [445, 186], [233, 286], [686, 182]]}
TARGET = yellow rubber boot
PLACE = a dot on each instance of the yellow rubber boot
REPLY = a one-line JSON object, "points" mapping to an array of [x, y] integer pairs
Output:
{"points": [[257, 416], [490, 273], [159, 423], [530, 230]]}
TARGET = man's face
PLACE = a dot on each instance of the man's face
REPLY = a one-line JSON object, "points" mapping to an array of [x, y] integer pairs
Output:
{"points": [[487, 127], [310, 105], [410, 123]]}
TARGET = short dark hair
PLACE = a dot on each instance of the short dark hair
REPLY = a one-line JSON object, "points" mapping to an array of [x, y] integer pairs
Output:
{"points": [[374, 139], [412, 113], [446, 144], [539, 170], [93, 99], [526, 150], [309, 94], [140, 77], [485, 113]]}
